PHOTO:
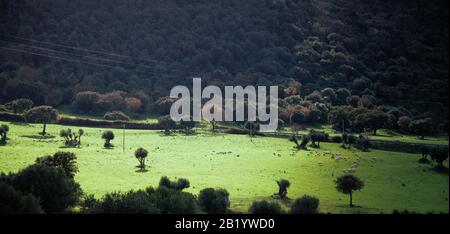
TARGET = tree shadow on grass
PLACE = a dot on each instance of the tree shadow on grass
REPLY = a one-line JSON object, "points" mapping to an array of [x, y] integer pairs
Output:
{"points": [[20, 123], [69, 147], [440, 170], [39, 137], [141, 170], [424, 161]]}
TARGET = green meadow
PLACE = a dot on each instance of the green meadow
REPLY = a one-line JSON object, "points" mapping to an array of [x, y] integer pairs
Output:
{"points": [[247, 167]]}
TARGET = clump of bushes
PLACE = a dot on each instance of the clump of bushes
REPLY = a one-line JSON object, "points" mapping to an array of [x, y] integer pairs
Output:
{"points": [[116, 115], [71, 139], [302, 144], [265, 207], [305, 205], [56, 191], [162, 200], [214, 201], [180, 184], [16, 202], [316, 137]]}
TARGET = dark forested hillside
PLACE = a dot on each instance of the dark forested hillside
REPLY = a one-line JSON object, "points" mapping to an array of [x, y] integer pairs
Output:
{"points": [[381, 53]]}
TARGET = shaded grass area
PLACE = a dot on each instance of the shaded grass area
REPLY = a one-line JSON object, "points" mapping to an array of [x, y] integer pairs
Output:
{"points": [[246, 167]]}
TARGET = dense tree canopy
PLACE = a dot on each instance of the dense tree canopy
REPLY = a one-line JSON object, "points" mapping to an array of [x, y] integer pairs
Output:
{"points": [[100, 56]]}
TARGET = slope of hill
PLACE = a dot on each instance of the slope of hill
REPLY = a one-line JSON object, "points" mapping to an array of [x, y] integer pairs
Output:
{"points": [[395, 53]]}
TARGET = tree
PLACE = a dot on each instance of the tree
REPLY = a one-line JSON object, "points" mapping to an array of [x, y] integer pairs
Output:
{"points": [[16, 202], [283, 185], [80, 133], [317, 137], [363, 143], [214, 201], [167, 123], [19, 105], [140, 155], [348, 140], [439, 154], [340, 116], [347, 184], [425, 152], [265, 207], [108, 136], [116, 115], [163, 104], [252, 127], [299, 116], [403, 123], [56, 191], [4, 129], [353, 101], [85, 101], [188, 126], [134, 104], [421, 127], [64, 160], [43, 115], [372, 120], [305, 205]]}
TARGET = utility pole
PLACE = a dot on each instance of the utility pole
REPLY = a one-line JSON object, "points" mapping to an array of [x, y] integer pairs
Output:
{"points": [[123, 139]]}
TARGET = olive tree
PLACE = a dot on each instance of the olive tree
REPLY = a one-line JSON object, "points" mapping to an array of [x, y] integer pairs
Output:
{"points": [[347, 184], [140, 155], [439, 154], [283, 185], [108, 136], [43, 115], [4, 129]]}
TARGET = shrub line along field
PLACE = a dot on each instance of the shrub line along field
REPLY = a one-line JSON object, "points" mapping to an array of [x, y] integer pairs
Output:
{"points": [[246, 167]]}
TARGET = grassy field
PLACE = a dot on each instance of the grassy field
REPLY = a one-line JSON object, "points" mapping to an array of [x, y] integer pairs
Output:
{"points": [[246, 167]]}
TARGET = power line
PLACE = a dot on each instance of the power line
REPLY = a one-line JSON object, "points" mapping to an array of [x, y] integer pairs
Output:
{"points": [[71, 60], [92, 57], [78, 55], [76, 48]]}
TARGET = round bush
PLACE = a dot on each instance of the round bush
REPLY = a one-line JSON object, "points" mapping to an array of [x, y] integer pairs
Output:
{"points": [[214, 201], [305, 205], [265, 207]]}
